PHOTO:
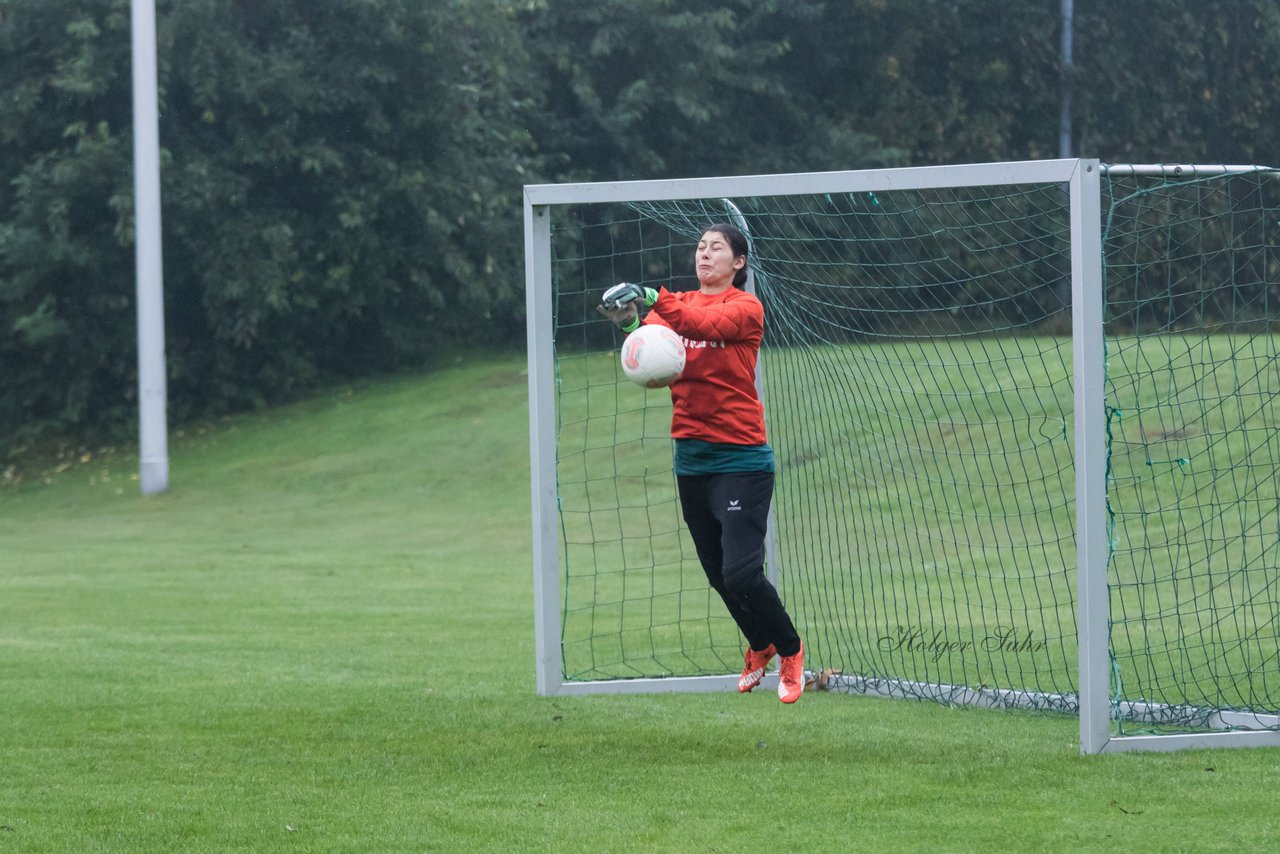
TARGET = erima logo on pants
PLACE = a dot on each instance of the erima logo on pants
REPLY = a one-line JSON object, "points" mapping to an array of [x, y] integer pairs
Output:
{"points": [[733, 505]]}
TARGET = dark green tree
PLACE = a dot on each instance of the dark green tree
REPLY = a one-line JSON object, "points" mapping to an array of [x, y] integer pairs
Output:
{"points": [[342, 177], [65, 241], [1177, 82], [938, 80], [660, 89], [341, 196]]}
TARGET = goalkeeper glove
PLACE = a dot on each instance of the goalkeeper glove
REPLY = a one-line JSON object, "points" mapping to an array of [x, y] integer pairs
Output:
{"points": [[623, 293], [621, 304], [626, 317]]}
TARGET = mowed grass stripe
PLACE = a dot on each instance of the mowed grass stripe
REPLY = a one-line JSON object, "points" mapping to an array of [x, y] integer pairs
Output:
{"points": [[322, 640]]}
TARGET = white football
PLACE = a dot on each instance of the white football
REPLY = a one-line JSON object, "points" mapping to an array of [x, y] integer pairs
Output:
{"points": [[653, 356]]}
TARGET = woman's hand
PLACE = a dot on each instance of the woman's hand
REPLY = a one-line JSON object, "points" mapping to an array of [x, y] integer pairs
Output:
{"points": [[626, 316], [621, 304], [626, 292]]}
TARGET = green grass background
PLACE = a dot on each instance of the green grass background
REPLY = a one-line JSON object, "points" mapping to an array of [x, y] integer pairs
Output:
{"points": [[321, 639]]}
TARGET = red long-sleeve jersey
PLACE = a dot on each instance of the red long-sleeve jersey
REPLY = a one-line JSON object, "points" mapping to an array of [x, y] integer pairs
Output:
{"points": [[715, 399]]}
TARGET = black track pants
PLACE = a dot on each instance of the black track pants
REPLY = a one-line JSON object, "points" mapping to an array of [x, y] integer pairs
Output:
{"points": [[727, 515]]}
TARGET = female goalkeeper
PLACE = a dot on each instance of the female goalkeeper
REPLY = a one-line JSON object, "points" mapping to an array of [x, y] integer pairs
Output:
{"points": [[723, 464]]}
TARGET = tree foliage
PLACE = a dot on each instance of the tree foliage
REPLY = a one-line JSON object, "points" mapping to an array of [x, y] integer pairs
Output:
{"points": [[660, 88], [340, 181], [341, 178], [1171, 81]]}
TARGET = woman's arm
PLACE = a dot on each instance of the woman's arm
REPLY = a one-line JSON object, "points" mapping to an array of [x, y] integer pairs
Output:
{"points": [[732, 320]]}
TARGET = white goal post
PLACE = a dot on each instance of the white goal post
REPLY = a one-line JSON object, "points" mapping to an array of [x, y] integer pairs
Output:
{"points": [[568, 369]]}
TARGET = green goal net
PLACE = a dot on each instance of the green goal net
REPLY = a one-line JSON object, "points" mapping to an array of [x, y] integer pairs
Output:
{"points": [[1193, 426], [920, 396], [635, 600]]}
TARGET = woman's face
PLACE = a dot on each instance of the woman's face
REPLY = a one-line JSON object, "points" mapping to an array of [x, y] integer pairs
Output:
{"points": [[715, 261]]}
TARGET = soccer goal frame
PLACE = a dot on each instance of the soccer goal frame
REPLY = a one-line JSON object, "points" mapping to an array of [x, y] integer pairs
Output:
{"points": [[1081, 179]]}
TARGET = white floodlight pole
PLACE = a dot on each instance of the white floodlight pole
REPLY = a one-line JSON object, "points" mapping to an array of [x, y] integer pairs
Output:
{"points": [[152, 395], [1068, 79]]}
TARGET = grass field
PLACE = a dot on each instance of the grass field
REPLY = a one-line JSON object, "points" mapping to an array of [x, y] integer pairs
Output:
{"points": [[321, 639]]}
